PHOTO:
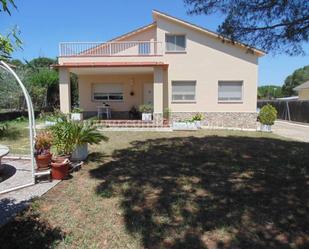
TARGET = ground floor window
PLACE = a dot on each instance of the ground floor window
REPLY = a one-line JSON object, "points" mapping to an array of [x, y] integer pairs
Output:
{"points": [[183, 91], [107, 92], [230, 91]]}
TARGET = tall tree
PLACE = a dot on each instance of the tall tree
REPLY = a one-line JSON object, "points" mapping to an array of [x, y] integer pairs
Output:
{"points": [[269, 92], [279, 26], [8, 42], [298, 77]]}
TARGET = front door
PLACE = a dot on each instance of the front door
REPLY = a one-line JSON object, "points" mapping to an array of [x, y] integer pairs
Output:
{"points": [[148, 93]]}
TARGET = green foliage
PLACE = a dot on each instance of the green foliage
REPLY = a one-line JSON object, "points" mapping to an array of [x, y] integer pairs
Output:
{"points": [[298, 77], [6, 4], [3, 128], [44, 77], [68, 134], [63, 137], [167, 113], [77, 110], [86, 132], [55, 116], [277, 26], [269, 92], [268, 114], [74, 89], [198, 117], [11, 41], [40, 80], [41, 62], [146, 108]]}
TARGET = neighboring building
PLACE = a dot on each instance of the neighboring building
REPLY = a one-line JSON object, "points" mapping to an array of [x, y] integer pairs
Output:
{"points": [[303, 91], [169, 64]]}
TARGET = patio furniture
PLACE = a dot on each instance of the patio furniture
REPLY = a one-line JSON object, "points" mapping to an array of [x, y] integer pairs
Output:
{"points": [[104, 110], [4, 150]]}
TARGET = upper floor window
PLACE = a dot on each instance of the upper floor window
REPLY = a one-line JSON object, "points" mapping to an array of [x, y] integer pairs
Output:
{"points": [[230, 91], [183, 91], [175, 43]]}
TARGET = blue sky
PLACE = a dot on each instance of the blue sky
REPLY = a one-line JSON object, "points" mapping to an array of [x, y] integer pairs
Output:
{"points": [[46, 23]]}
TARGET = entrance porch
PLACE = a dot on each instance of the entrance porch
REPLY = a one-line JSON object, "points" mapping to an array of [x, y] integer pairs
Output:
{"points": [[123, 87]]}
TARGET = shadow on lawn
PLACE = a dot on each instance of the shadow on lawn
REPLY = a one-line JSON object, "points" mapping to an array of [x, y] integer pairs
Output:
{"points": [[27, 230], [212, 192]]}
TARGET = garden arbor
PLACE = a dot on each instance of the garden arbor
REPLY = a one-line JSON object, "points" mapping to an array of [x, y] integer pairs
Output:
{"points": [[31, 117]]}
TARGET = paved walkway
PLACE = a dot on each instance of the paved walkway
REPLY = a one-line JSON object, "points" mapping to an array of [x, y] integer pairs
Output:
{"points": [[292, 130], [19, 173]]}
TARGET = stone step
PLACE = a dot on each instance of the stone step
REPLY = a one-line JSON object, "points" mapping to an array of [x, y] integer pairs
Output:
{"points": [[129, 123]]}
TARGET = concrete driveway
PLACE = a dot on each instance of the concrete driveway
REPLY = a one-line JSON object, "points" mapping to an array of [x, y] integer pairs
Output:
{"points": [[291, 130]]}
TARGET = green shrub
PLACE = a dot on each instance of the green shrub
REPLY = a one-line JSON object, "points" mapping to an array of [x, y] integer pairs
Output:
{"points": [[198, 117], [268, 115], [53, 116], [146, 108], [167, 113], [3, 128], [77, 110], [68, 134]]}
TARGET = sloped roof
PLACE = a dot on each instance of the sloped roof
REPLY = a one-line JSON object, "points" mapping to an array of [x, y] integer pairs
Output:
{"points": [[302, 86], [213, 34]]}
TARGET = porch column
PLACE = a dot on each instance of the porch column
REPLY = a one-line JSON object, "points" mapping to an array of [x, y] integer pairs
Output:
{"points": [[64, 90], [158, 95]]}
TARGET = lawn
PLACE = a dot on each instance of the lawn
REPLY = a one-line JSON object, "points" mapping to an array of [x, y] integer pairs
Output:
{"points": [[205, 189], [17, 137]]}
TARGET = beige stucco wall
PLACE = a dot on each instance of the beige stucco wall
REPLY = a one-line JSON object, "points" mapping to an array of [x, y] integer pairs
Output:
{"points": [[130, 83], [149, 34], [303, 94], [207, 61]]}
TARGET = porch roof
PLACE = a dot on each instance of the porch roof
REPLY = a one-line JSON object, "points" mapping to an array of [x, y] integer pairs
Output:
{"points": [[110, 64]]}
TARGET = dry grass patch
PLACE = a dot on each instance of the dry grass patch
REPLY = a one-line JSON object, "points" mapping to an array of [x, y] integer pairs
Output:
{"points": [[206, 189]]}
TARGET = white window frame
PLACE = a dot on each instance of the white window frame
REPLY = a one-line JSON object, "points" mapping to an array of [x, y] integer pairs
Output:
{"points": [[108, 94], [184, 100], [176, 51], [231, 100]]}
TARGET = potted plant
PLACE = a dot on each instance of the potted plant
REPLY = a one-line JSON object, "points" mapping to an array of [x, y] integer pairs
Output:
{"points": [[43, 143], [267, 117], [77, 114], [197, 118], [82, 135], [64, 146], [146, 111], [183, 125]]}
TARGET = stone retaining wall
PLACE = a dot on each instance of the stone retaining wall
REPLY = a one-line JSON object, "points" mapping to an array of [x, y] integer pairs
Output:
{"points": [[239, 120]]}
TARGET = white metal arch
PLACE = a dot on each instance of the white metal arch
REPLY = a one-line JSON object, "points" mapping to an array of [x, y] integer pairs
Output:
{"points": [[31, 117]]}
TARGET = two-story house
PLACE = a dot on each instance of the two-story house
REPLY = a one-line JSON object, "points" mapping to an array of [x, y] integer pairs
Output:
{"points": [[169, 63]]}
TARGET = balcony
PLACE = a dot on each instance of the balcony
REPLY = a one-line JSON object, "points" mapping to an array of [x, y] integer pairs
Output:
{"points": [[111, 49]]}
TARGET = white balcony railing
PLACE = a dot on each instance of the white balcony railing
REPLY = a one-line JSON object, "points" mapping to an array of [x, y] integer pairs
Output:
{"points": [[130, 48]]}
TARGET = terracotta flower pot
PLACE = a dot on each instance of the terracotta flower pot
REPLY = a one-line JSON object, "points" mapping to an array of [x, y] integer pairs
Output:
{"points": [[43, 161], [60, 159], [60, 170]]}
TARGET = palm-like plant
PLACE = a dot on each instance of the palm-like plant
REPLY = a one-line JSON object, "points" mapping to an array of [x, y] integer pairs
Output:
{"points": [[84, 133], [68, 135]]}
